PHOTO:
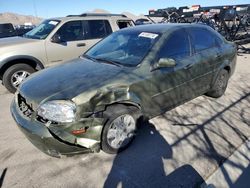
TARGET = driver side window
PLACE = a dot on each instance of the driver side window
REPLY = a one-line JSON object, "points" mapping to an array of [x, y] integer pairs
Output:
{"points": [[176, 47], [71, 31]]}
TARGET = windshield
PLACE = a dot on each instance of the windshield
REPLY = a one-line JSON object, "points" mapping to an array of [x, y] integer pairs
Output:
{"points": [[126, 48], [43, 30]]}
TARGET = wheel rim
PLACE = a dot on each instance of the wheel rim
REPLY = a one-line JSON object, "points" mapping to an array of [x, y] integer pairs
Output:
{"points": [[121, 131], [222, 81], [18, 77]]}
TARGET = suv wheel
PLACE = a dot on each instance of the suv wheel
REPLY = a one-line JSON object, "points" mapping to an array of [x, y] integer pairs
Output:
{"points": [[220, 85], [119, 130], [15, 75]]}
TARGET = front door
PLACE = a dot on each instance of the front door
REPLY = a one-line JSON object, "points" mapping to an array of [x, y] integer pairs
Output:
{"points": [[170, 85], [76, 38], [71, 45]]}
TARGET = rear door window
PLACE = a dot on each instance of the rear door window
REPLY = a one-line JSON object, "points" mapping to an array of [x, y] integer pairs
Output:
{"points": [[202, 39], [96, 29]]}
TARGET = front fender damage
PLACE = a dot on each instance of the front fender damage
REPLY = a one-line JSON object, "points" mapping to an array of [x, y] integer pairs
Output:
{"points": [[90, 138], [112, 95], [91, 118]]}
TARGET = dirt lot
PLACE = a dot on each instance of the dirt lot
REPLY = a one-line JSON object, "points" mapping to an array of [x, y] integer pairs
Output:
{"points": [[181, 148]]}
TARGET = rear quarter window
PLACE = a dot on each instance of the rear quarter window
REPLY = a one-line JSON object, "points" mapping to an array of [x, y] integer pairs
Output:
{"points": [[124, 23]]}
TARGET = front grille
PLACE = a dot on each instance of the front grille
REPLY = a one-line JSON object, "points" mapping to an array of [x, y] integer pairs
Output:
{"points": [[24, 107]]}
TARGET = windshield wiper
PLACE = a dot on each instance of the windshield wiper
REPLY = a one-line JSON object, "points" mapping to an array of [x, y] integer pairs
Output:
{"points": [[89, 57], [108, 61]]}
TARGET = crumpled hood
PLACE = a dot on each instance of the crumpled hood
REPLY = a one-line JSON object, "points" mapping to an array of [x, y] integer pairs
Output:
{"points": [[69, 80]]}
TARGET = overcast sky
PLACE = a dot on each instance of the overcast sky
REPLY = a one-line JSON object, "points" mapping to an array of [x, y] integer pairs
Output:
{"points": [[56, 8]]}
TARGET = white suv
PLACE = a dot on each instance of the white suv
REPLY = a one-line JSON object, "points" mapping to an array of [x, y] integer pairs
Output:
{"points": [[54, 41]]}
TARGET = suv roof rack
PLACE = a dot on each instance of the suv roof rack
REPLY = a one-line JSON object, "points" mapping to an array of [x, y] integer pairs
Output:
{"points": [[97, 14]]}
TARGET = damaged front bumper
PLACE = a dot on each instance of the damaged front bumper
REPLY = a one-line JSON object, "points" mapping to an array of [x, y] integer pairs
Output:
{"points": [[55, 140]]}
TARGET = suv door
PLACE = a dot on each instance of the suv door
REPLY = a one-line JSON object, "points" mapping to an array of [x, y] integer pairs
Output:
{"points": [[70, 45], [205, 55], [171, 85], [76, 37]]}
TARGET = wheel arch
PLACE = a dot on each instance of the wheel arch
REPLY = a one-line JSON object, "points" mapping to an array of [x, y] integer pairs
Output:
{"points": [[29, 60], [228, 69], [115, 96]]}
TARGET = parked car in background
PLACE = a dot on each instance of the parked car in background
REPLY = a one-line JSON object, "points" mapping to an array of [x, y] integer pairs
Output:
{"points": [[7, 30], [94, 102], [54, 41], [23, 29]]}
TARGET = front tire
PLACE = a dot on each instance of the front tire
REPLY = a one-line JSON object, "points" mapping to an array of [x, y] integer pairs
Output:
{"points": [[15, 75], [120, 127], [220, 85]]}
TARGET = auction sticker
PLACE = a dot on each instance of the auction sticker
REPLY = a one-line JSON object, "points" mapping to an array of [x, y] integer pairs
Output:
{"points": [[52, 22], [148, 35]]}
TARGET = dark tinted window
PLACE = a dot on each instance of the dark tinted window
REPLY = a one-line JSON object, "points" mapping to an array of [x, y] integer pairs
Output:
{"points": [[202, 39], [71, 31], [6, 28], [95, 29], [176, 47], [123, 24]]}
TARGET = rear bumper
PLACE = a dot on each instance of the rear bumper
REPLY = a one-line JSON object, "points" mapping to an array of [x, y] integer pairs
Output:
{"points": [[40, 136]]}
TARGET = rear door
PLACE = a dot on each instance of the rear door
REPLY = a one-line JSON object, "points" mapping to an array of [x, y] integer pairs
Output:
{"points": [[205, 54]]}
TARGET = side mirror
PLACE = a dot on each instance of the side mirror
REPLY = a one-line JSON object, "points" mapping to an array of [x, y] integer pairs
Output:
{"points": [[165, 62], [56, 39]]}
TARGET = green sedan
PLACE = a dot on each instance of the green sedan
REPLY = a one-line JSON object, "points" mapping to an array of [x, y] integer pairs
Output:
{"points": [[96, 101]]}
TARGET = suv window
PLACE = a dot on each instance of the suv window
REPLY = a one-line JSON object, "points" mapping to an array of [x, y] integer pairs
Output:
{"points": [[177, 46], [202, 39], [123, 24], [96, 29], [71, 31]]}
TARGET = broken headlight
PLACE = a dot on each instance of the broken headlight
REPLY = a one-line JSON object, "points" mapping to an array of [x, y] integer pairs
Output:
{"points": [[60, 111]]}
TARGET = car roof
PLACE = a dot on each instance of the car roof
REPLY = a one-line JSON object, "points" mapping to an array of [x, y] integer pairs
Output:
{"points": [[91, 17], [162, 27]]}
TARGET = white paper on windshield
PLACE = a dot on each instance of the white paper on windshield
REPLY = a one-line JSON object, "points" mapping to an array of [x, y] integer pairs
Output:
{"points": [[148, 35], [53, 22]]}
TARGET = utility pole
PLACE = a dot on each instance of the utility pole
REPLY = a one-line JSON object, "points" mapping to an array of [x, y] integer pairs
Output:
{"points": [[34, 6]]}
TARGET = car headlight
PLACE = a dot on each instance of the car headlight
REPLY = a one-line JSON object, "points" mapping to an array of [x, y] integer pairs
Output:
{"points": [[60, 111]]}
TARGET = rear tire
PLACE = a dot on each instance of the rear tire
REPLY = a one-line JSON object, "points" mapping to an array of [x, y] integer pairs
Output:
{"points": [[15, 75], [120, 127], [220, 85]]}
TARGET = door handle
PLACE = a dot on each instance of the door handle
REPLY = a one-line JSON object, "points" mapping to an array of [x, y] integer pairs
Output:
{"points": [[81, 44], [188, 66]]}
